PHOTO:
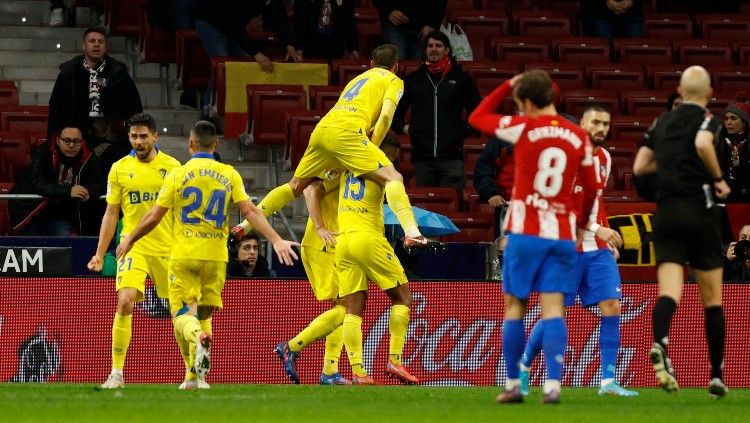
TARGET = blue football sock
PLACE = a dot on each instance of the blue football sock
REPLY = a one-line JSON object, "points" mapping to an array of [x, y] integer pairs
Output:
{"points": [[513, 340], [554, 343], [534, 344], [609, 344]]}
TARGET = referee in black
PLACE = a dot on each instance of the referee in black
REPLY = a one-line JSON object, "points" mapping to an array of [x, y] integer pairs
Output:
{"points": [[679, 148]]}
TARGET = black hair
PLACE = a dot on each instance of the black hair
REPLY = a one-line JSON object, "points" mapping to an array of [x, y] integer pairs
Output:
{"points": [[143, 119]]}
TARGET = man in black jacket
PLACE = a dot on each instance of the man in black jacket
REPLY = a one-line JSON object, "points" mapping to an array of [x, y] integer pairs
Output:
{"points": [[68, 175], [95, 93], [325, 29], [440, 94], [245, 260], [406, 23]]}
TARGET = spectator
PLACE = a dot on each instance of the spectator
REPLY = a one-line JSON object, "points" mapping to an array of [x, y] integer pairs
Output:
{"points": [[612, 18], [738, 270], [245, 260], [325, 29], [57, 13], [68, 175], [95, 93], [493, 176], [733, 151], [406, 23], [440, 94]]}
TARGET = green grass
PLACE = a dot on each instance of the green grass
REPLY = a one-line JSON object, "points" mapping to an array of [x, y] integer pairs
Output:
{"points": [[307, 403]]}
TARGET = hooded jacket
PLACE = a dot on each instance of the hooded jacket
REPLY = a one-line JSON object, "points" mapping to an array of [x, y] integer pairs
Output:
{"points": [[439, 107], [738, 178]]}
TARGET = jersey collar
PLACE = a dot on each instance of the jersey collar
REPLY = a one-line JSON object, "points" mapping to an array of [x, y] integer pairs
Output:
{"points": [[203, 155]]}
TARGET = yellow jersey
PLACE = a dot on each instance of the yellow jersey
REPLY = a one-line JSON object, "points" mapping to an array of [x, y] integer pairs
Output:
{"points": [[360, 205], [328, 209], [135, 185], [361, 101], [199, 194]]}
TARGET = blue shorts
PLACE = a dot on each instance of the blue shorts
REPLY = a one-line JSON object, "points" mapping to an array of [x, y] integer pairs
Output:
{"points": [[598, 278], [536, 264]]}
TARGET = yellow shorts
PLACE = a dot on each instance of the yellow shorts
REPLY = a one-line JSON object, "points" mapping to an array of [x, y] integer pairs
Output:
{"points": [[199, 281], [320, 267], [363, 256], [133, 269], [333, 147]]}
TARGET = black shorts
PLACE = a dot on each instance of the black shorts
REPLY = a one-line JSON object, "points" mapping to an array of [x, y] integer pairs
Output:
{"points": [[685, 232]]}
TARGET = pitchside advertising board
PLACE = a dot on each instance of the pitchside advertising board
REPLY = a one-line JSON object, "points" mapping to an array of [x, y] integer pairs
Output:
{"points": [[36, 261], [59, 330]]}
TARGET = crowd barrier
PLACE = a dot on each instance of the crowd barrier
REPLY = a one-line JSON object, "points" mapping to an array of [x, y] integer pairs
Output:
{"points": [[58, 330]]}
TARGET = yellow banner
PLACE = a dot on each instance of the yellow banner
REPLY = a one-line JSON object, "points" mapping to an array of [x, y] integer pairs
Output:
{"points": [[638, 237]]}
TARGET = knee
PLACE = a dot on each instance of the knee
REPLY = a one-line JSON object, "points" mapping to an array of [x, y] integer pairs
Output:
{"points": [[204, 312], [125, 302], [298, 186], [610, 307]]}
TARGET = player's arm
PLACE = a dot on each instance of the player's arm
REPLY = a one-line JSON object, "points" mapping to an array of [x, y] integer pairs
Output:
{"points": [[587, 217], [146, 225], [383, 124], [313, 196], [486, 119], [260, 224], [106, 232]]}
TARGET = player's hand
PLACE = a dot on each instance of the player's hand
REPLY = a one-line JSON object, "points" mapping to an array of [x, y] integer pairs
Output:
{"points": [[95, 264], [265, 63], [125, 246], [327, 236], [284, 251], [610, 236], [398, 18], [515, 79], [731, 256], [616, 253], [236, 234], [722, 189], [496, 201]]}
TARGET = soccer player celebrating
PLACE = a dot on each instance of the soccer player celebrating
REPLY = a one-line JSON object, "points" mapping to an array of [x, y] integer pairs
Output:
{"points": [[363, 254], [199, 194], [349, 135], [541, 252], [598, 276], [132, 185]]}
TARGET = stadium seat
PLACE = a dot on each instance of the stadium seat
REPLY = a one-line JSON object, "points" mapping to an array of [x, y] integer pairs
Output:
{"points": [[630, 128], [267, 105], [4, 218], [488, 75], [346, 69], [542, 23], [644, 103], [723, 26], [438, 200], [503, 4], [8, 93], [475, 227], [406, 67], [703, 52], [664, 77], [619, 76], [644, 51], [14, 147], [480, 26], [670, 26], [323, 97], [471, 154], [743, 51], [157, 44], [299, 126], [568, 76], [367, 23], [30, 119], [521, 49], [475, 205], [582, 50], [123, 17], [455, 6], [620, 166], [720, 101], [730, 79], [193, 64], [576, 101]]}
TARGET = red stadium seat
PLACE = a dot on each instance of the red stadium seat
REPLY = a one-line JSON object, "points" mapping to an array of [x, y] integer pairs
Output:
{"points": [[720, 101], [14, 147], [480, 26], [299, 127], [743, 51], [645, 103], [702, 52], [438, 200], [630, 128], [619, 76], [157, 43], [581, 50], [367, 23], [575, 101], [542, 23], [475, 205], [488, 75], [323, 97], [123, 17], [723, 26], [521, 49], [671, 26], [475, 227], [730, 79], [32, 119], [644, 51], [406, 67], [664, 77], [8, 93], [568, 76], [4, 218], [267, 105], [193, 64], [471, 154], [347, 69]]}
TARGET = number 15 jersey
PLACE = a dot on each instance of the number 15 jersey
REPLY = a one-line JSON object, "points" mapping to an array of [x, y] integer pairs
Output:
{"points": [[199, 194]]}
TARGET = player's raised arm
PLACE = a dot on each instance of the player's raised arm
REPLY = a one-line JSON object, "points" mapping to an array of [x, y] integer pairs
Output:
{"points": [[106, 232], [260, 224], [146, 225], [313, 195]]}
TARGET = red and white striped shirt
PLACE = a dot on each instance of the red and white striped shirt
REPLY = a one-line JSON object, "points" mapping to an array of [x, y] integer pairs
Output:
{"points": [[603, 167]]}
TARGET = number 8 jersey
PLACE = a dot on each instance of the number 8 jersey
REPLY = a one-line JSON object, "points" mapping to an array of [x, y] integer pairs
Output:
{"points": [[199, 194]]}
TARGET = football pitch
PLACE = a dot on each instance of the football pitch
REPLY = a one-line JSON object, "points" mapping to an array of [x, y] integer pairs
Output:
{"points": [[57, 402]]}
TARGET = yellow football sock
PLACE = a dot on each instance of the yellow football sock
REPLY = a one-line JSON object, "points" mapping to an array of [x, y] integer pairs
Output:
{"points": [[334, 345], [321, 326], [206, 325], [121, 333], [185, 353], [274, 201], [353, 342], [188, 326], [398, 326], [399, 203]]}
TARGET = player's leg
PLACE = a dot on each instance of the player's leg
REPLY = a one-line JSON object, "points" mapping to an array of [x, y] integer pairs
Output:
{"points": [[670, 280], [398, 326], [709, 288], [184, 292], [333, 347], [609, 347], [211, 278], [532, 349]]}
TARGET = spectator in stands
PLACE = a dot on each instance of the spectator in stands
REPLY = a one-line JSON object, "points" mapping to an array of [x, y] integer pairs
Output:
{"points": [[325, 29], [68, 175], [612, 18], [406, 23], [245, 260], [440, 95], [738, 269], [57, 13], [95, 93], [493, 176], [733, 151]]}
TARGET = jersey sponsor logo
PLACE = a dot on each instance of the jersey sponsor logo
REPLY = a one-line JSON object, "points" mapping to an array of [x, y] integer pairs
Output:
{"points": [[544, 132], [137, 197], [191, 233]]}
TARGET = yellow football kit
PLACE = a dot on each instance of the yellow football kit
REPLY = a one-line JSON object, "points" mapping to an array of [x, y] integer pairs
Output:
{"points": [[199, 194], [362, 252], [135, 185], [342, 136], [318, 259]]}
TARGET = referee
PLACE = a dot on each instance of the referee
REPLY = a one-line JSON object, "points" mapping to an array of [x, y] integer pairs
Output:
{"points": [[679, 148]]}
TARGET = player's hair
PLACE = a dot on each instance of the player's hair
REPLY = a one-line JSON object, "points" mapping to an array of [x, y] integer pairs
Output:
{"points": [[390, 141], [204, 133], [96, 29], [385, 56], [536, 86], [596, 107], [143, 119]]}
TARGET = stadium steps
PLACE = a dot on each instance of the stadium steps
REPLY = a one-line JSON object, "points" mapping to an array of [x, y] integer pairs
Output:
{"points": [[35, 13]]}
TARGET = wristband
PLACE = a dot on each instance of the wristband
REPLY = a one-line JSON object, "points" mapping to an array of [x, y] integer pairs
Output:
{"points": [[594, 227]]}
